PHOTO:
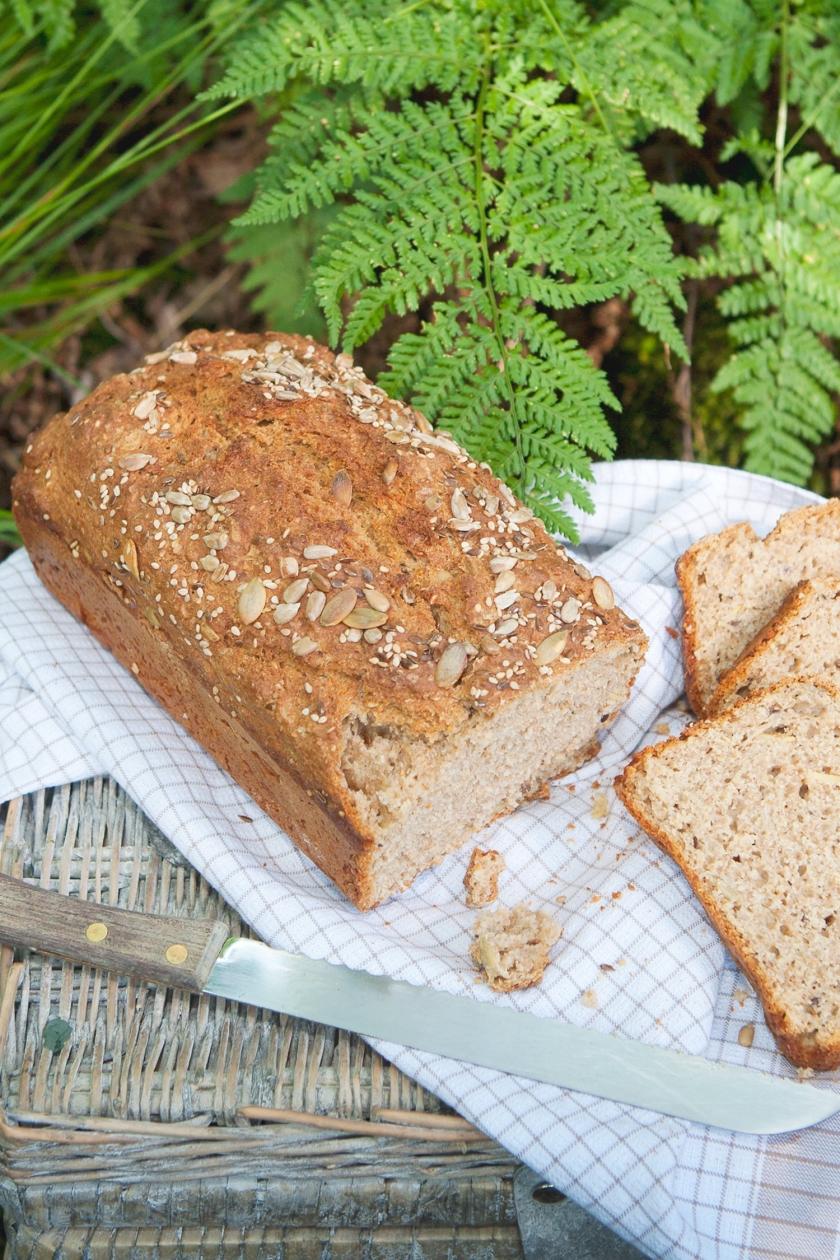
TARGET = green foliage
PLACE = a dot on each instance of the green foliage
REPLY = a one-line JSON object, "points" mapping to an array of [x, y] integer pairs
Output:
{"points": [[9, 536], [775, 241], [479, 174], [77, 142]]}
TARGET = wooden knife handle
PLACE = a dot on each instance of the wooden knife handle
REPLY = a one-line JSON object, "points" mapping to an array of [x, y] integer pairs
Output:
{"points": [[176, 952]]}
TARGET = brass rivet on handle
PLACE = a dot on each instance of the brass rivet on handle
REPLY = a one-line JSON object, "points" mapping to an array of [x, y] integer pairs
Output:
{"points": [[96, 932], [177, 954]]}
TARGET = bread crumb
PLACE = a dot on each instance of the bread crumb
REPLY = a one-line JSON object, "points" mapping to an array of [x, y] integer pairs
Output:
{"points": [[600, 805], [589, 998], [662, 728], [481, 879], [511, 947], [746, 1034]]}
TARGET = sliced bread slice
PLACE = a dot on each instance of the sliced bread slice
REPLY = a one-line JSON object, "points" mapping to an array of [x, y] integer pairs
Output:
{"points": [[733, 583], [748, 804], [803, 639]]}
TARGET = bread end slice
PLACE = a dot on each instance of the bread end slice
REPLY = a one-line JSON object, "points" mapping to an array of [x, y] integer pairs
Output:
{"points": [[803, 639], [748, 805]]}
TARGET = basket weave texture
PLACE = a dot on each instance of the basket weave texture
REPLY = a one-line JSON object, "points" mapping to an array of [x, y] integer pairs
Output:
{"points": [[148, 1122]]}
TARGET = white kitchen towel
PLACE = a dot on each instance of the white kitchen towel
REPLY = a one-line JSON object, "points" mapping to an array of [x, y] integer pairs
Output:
{"points": [[637, 956]]}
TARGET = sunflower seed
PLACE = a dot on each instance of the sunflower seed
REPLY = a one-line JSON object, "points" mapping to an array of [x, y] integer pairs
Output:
{"points": [[216, 541], [491, 504], [451, 665], [602, 593], [183, 356], [200, 502], [373, 635], [180, 515], [421, 423], [315, 602], [227, 496], [365, 618], [289, 567], [209, 563], [551, 647], [509, 626], [338, 608], [178, 496], [389, 472], [318, 552], [459, 506], [129, 558], [464, 527], [320, 582], [354, 636], [506, 599], [520, 516], [218, 574], [295, 590], [549, 590], [570, 611], [302, 647], [377, 600], [342, 487], [285, 612], [501, 564], [133, 463], [504, 581], [251, 601], [398, 438], [489, 644]]}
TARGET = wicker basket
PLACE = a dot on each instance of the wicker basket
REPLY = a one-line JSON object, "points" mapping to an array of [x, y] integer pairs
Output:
{"points": [[148, 1122]]}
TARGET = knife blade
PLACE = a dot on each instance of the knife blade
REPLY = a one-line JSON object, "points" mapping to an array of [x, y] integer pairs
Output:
{"points": [[197, 955]]}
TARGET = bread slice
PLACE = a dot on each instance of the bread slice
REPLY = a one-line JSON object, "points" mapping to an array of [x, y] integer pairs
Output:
{"points": [[803, 639], [733, 582], [511, 947], [748, 804]]}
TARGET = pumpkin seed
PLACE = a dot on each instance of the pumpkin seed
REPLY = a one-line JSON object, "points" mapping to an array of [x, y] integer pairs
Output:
{"points": [[506, 599], [504, 581], [303, 646], [318, 552], [377, 600], [315, 602], [133, 463], [337, 608], [342, 487], [458, 504], [551, 647], [451, 665], [501, 564], [365, 619], [251, 603], [285, 612], [295, 590], [389, 472], [602, 593]]}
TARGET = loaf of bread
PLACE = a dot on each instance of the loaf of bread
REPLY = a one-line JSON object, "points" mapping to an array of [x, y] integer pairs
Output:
{"points": [[803, 639], [733, 582], [748, 804], [361, 624]]}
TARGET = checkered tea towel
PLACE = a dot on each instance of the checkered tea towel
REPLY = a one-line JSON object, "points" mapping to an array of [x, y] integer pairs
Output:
{"points": [[637, 956]]}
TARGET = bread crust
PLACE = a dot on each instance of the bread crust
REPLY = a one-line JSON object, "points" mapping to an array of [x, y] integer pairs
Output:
{"points": [[210, 460], [802, 1051]]}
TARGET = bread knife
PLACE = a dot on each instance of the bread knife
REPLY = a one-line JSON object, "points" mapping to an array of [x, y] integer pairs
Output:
{"points": [[198, 955]]}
